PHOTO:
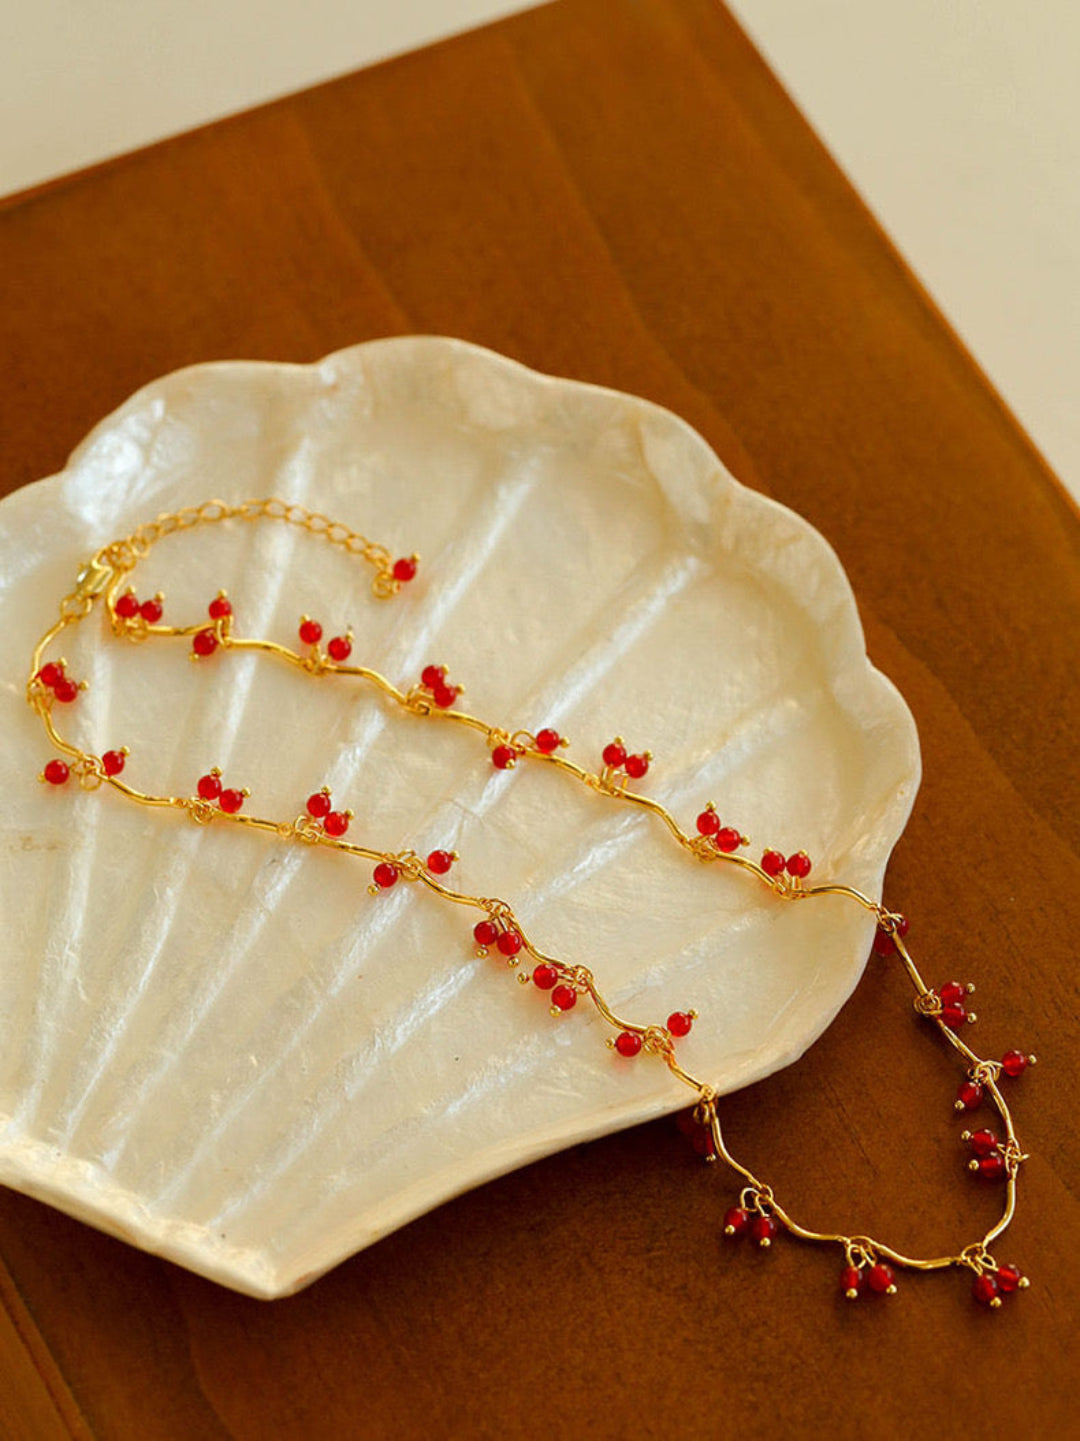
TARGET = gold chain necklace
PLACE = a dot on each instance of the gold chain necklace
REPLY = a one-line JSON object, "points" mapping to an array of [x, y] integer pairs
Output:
{"points": [[868, 1263]]}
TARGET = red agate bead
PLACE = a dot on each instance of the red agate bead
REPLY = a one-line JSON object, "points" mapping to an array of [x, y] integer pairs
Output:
{"points": [[953, 1016], [204, 642], [444, 696], [798, 865], [219, 607], [65, 690], [151, 611], [318, 805], [628, 1043], [851, 1282], [679, 1023], [127, 605], [548, 740], [884, 945], [615, 754], [385, 875], [439, 862], [504, 758], [339, 648], [310, 631], [728, 839], [230, 801], [969, 1096], [985, 1289], [983, 1142], [992, 1167], [56, 772], [880, 1279], [708, 822], [210, 786], [336, 823], [564, 998], [486, 933], [433, 676], [772, 863], [405, 568], [544, 976], [112, 762], [764, 1229], [952, 993], [51, 673], [509, 942], [1010, 1278], [1015, 1063], [736, 1221], [636, 766]]}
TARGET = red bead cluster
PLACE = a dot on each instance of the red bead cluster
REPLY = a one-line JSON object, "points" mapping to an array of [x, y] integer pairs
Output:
{"points": [[338, 647], [320, 808], [989, 1287], [972, 1092], [629, 1043], [988, 1155], [229, 799], [762, 1226], [433, 679], [877, 1279], [616, 759], [53, 677], [700, 1137], [953, 1012], [206, 641], [506, 939], [128, 606], [773, 863], [725, 838], [884, 945]]}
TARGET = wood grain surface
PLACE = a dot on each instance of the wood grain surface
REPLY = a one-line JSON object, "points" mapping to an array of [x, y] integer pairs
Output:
{"points": [[618, 190]]}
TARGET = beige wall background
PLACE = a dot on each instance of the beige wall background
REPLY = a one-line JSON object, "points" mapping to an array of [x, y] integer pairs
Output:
{"points": [[958, 120]]}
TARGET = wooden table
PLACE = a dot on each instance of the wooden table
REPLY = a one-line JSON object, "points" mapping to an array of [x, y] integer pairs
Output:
{"points": [[621, 192]]}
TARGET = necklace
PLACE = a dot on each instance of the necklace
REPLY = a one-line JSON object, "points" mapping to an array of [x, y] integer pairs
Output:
{"points": [[869, 1265]]}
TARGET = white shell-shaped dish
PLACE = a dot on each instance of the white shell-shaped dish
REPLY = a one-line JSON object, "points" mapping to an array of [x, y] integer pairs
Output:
{"points": [[219, 1046]]}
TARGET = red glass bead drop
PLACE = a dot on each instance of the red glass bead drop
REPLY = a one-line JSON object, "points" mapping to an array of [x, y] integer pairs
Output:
{"points": [[318, 805], [983, 1142], [708, 823], [151, 611], [486, 933], [728, 839], [952, 993], [209, 787], [736, 1221], [336, 823], [127, 606], [339, 648], [230, 801], [544, 976], [628, 1043], [51, 673], [636, 766], [65, 690], [614, 754], [772, 863], [503, 758], [993, 1167], [219, 608], [509, 942], [764, 1229], [385, 875], [445, 696], [970, 1095], [953, 1016], [112, 762], [404, 569], [439, 862], [985, 1289], [798, 865], [56, 772], [547, 740], [879, 1278], [564, 998], [851, 1282], [204, 642], [1013, 1063], [433, 676], [679, 1023], [1009, 1279], [310, 632]]}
